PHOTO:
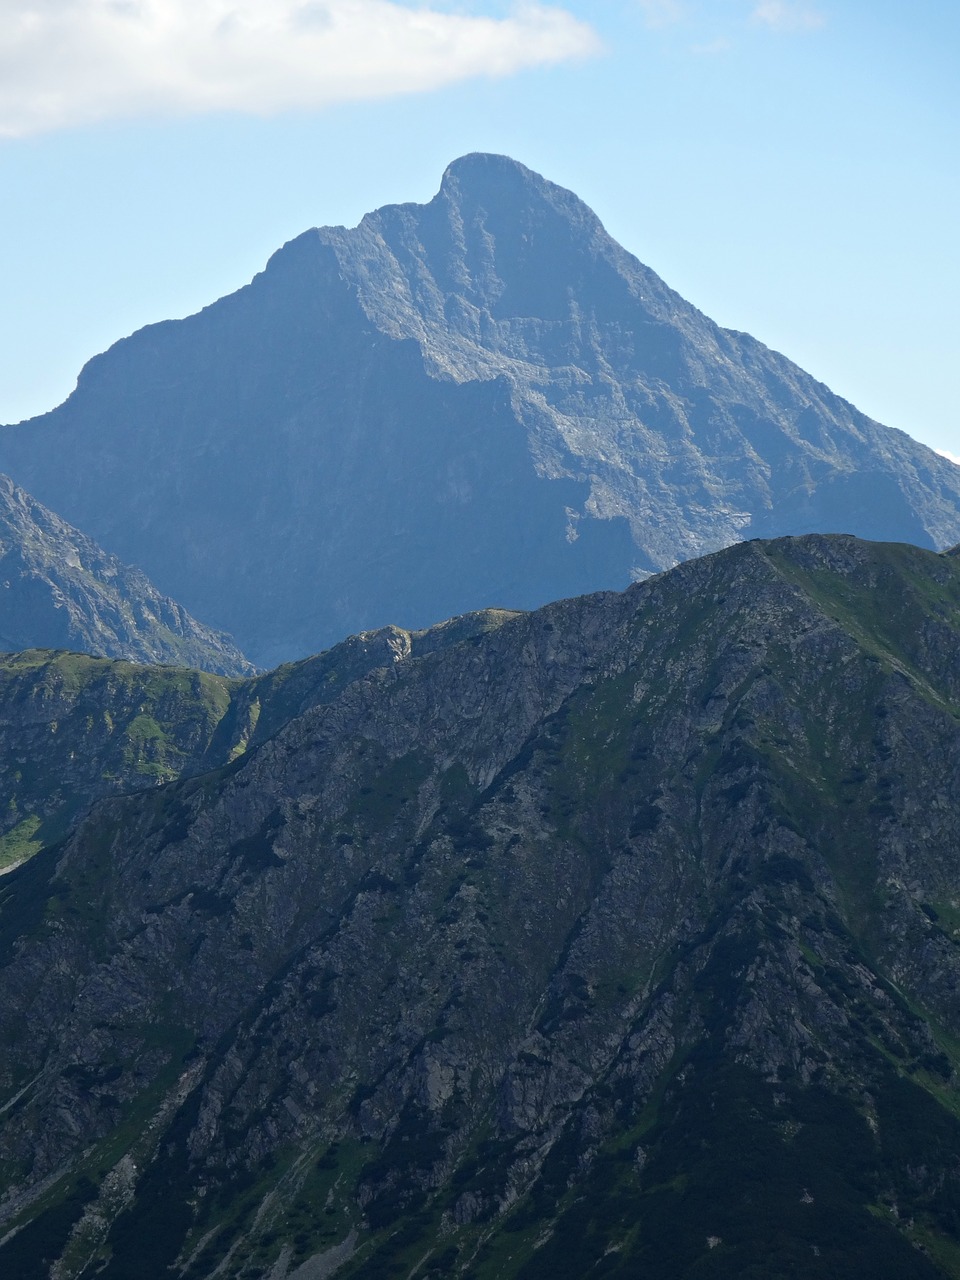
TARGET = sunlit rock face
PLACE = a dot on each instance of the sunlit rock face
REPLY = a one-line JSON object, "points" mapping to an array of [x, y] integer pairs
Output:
{"points": [[482, 401]]}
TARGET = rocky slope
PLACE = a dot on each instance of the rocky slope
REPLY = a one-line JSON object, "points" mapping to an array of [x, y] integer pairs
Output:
{"points": [[59, 590], [75, 728], [480, 401], [618, 938]]}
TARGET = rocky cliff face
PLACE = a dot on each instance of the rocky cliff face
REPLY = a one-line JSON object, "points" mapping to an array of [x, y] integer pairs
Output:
{"points": [[59, 590], [621, 937], [481, 401]]}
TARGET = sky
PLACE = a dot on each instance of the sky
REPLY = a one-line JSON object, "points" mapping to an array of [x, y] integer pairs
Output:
{"points": [[789, 166]]}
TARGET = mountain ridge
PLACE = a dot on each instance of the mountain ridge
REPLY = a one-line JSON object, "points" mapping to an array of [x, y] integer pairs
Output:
{"points": [[619, 935], [625, 274], [59, 589], [481, 401], [77, 727]]}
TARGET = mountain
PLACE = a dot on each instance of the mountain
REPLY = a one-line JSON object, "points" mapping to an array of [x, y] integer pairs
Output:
{"points": [[483, 401], [58, 589], [619, 938], [76, 728]]}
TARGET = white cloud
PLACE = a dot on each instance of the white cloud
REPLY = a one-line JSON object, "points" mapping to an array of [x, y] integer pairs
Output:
{"points": [[787, 15], [69, 62], [952, 456]]}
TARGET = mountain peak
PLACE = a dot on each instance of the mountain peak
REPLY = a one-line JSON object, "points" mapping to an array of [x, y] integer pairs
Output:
{"points": [[480, 169], [370, 431], [504, 184]]}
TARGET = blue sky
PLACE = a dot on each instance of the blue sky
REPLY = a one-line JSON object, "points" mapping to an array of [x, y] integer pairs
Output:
{"points": [[790, 166]]}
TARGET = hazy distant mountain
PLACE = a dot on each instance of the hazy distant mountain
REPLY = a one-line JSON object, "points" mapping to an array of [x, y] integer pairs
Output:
{"points": [[617, 939], [480, 401], [59, 590]]}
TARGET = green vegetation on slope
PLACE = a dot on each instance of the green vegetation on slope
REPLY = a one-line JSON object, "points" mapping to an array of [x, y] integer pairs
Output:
{"points": [[617, 939]]}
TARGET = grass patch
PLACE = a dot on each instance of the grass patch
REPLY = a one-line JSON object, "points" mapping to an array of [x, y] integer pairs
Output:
{"points": [[21, 843]]}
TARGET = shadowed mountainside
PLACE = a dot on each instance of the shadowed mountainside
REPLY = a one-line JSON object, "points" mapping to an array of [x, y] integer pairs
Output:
{"points": [[616, 938], [75, 728], [58, 589]]}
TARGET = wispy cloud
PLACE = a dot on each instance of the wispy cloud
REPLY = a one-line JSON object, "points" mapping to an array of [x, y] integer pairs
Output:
{"points": [[662, 13], [788, 15], [711, 48], [68, 62], [952, 456]]}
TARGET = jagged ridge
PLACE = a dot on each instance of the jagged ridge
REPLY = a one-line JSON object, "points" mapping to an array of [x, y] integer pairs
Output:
{"points": [[618, 937], [76, 728], [480, 401]]}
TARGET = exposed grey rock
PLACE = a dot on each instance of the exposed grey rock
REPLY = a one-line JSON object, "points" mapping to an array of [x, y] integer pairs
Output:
{"points": [[480, 401], [555, 941], [75, 728], [59, 590]]}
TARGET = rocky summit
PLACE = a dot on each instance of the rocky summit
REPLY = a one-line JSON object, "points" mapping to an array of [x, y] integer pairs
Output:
{"points": [[620, 938], [59, 590], [479, 401]]}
